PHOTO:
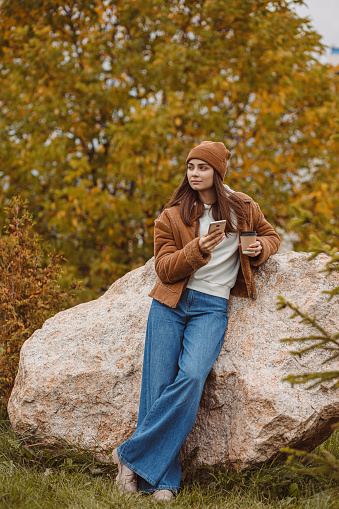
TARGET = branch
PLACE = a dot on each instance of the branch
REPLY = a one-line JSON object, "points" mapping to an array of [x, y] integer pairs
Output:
{"points": [[327, 463], [319, 378], [283, 303]]}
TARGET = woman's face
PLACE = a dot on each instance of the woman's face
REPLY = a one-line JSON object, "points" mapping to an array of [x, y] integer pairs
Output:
{"points": [[200, 175]]}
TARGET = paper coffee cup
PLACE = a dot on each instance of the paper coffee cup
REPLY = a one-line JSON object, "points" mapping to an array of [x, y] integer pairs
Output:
{"points": [[247, 238]]}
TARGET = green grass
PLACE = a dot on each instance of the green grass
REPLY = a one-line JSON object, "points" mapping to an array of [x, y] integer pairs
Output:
{"points": [[65, 476]]}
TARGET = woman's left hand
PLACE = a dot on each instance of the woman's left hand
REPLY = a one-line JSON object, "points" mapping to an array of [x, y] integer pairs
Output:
{"points": [[256, 247]]}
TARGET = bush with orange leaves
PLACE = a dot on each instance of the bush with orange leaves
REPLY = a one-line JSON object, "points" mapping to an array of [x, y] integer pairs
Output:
{"points": [[29, 289]]}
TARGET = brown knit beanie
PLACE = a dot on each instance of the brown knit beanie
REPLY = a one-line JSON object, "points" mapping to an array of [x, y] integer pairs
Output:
{"points": [[213, 152]]}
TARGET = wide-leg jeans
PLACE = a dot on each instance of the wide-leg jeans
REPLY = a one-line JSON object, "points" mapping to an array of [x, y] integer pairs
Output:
{"points": [[181, 347]]}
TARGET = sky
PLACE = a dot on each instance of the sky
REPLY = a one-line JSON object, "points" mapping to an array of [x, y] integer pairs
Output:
{"points": [[324, 15]]}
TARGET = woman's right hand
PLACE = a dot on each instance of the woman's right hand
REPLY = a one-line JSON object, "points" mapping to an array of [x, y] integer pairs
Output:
{"points": [[209, 241]]}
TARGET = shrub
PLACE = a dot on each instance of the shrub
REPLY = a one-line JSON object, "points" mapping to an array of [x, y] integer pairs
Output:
{"points": [[29, 289]]}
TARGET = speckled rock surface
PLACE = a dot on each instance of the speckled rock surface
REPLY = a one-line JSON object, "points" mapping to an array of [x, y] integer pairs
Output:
{"points": [[79, 376]]}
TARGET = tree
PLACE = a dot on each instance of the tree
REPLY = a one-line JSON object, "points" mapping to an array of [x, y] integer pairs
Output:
{"points": [[325, 243], [321, 339], [101, 101], [315, 211], [29, 289], [322, 462]]}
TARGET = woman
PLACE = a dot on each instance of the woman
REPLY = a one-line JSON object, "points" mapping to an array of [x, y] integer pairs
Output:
{"points": [[188, 316]]}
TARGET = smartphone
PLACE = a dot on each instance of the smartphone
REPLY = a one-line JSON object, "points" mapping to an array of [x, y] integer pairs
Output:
{"points": [[217, 225]]}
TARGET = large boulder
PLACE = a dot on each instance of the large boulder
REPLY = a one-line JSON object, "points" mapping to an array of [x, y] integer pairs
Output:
{"points": [[79, 375]]}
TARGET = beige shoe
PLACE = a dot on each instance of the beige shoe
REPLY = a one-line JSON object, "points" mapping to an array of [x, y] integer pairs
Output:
{"points": [[163, 495], [126, 479]]}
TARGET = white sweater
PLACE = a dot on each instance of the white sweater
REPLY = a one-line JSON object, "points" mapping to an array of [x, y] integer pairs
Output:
{"points": [[220, 274]]}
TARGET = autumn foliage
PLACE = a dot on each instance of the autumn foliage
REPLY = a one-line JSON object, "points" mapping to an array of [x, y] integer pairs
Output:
{"points": [[29, 289], [101, 102]]}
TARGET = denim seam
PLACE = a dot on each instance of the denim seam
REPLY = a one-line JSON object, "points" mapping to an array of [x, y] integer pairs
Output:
{"points": [[141, 429], [136, 470], [193, 299], [161, 487]]}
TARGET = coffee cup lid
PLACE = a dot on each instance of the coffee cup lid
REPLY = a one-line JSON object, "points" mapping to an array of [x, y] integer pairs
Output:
{"points": [[248, 233]]}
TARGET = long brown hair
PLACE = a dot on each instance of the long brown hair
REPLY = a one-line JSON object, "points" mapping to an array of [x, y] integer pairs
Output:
{"points": [[191, 207]]}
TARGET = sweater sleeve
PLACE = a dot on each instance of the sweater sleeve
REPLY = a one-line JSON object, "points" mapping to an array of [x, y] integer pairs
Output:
{"points": [[266, 235], [171, 263]]}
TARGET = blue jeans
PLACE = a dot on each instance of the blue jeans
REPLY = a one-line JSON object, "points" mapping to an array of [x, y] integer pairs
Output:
{"points": [[181, 347]]}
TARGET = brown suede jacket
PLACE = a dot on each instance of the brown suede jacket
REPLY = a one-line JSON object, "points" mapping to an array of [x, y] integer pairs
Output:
{"points": [[177, 254]]}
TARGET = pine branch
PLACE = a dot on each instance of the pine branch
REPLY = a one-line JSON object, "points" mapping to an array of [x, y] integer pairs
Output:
{"points": [[324, 341], [307, 319], [319, 378], [327, 463]]}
